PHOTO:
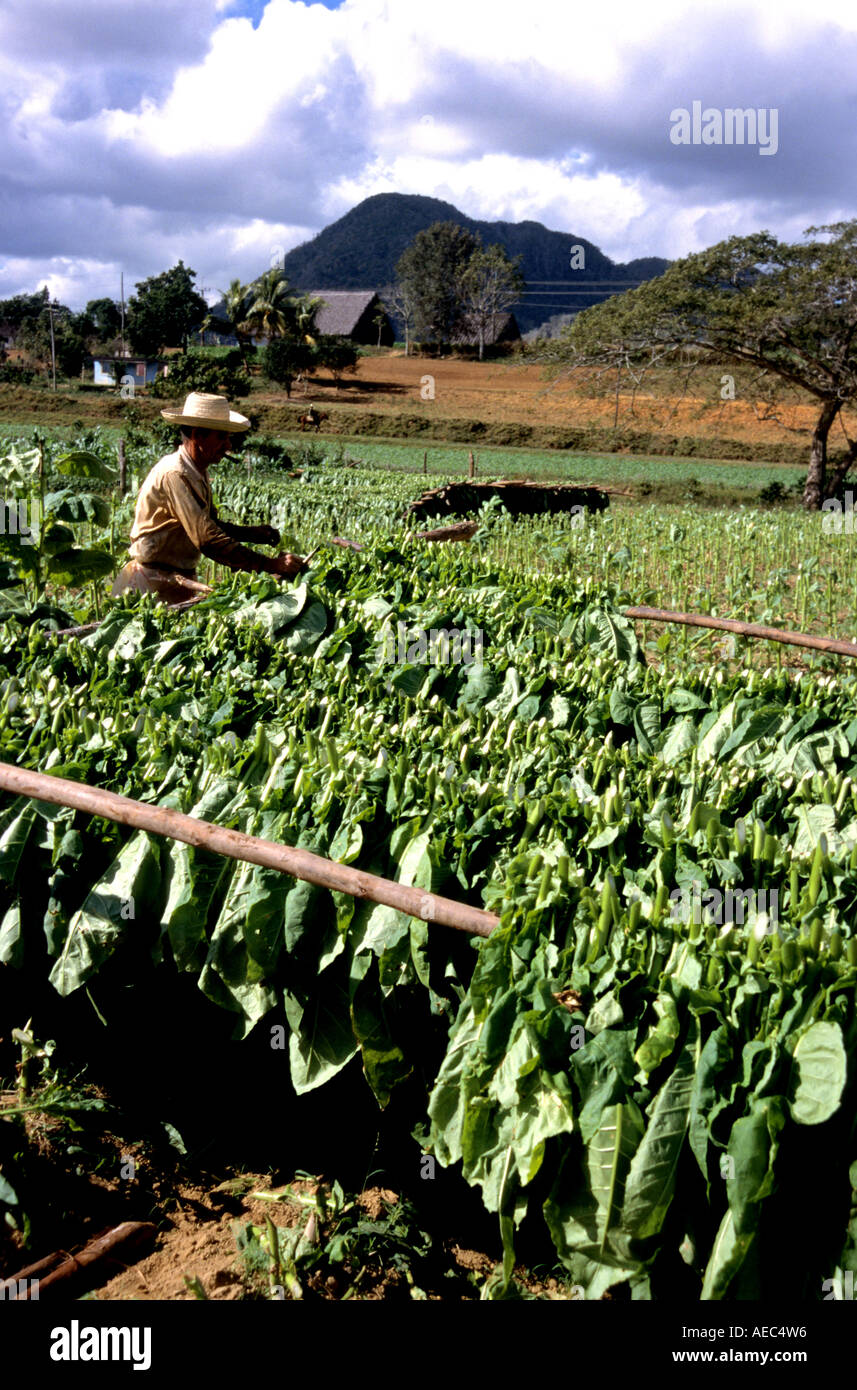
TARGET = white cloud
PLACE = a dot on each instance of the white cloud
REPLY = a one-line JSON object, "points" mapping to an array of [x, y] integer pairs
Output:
{"points": [[135, 138]]}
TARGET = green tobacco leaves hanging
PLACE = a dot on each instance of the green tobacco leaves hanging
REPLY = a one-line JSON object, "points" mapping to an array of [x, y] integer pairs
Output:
{"points": [[604, 1071], [667, 1077], [81, 463], [727, 1256], [76, 566], [322, 1040], [78, 507], [652, 1174], [584, 1210], [820, 1065], [605, 633], [11, 942], [748, 1168], [248, 935], [662, 1036], [16, 822], [194, 878], [125, 901]]}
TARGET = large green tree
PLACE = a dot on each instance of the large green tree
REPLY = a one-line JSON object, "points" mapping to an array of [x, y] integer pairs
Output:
{"points": [[165, 311], [430, 273], [787, 313], [23, 308], [284, 359], [105, 317], [336, 355], [33, 336], [490, 285]]}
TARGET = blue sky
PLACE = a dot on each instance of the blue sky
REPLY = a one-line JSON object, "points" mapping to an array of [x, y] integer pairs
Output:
{"points": [[253, 9], [225, 132]]}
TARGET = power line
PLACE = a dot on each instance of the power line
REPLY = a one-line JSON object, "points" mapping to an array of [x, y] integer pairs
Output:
{"points": [[562, 308], [588, 282], [572, 293]]}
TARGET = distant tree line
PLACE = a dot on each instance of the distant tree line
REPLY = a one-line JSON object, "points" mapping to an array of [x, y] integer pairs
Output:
{"points": [[448, 287], [166, 312]]}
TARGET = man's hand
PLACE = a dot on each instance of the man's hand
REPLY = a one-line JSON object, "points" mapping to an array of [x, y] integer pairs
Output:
{"points": [[288, 565], [266, 535]]}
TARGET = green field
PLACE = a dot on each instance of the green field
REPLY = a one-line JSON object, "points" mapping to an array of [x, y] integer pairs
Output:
{"points": [[734, 478], [586, 1066], [619, 469]]}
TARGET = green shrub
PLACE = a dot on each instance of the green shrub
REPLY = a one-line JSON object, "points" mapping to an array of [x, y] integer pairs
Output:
{"points": [[194, 371], [13, 375], [284, 359]]}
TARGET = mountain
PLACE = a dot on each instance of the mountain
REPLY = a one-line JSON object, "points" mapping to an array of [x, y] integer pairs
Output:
{"points": [[360, 251]]}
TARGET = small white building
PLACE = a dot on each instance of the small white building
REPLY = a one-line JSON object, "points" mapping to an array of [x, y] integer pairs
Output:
{"points": [[109, 371]]}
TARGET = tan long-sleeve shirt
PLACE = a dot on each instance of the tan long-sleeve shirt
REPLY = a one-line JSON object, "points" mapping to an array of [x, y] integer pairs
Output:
{"points": [[176, 522]]}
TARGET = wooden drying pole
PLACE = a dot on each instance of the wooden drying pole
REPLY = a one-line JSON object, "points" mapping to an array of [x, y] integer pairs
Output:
{"points": [[768, 634], [301, 863]]}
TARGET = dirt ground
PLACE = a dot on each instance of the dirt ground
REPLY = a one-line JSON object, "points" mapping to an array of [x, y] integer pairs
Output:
{"points": [[199, 1244], [515, 392], [205, 1233], [502, 392], [196, 1254]]}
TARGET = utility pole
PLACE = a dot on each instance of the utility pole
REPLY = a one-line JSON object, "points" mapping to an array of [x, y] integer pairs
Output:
{"points": [[53, 347], [204, 291], [122, 293]]}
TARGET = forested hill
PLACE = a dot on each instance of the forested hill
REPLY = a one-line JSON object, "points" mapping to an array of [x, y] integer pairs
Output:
{"points": [[361, 249]]}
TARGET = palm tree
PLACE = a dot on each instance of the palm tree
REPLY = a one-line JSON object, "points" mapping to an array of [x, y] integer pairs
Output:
{"points": [[305, 314], [272, 312], [233, 322]]}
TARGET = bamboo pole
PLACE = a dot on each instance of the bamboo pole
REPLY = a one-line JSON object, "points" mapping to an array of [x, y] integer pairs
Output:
{"points": [[301, 863], [768, 634]]}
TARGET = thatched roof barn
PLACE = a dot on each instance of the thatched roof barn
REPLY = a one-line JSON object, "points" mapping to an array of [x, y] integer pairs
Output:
{"points": [[351, 314]]}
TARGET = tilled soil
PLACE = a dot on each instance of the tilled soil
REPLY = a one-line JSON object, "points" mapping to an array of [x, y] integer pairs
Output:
{"points": [[498, 392]]}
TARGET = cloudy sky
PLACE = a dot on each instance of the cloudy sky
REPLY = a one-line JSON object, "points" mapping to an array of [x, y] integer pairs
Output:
{"points": [[219, 131]]}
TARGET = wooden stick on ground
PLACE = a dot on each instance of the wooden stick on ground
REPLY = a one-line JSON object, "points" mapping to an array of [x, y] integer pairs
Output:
{"points": [[301, 863], [121, 1245], [768, 634]]}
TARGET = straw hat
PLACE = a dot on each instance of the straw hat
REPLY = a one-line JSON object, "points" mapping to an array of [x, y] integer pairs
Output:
{"points": [[207, 413]]}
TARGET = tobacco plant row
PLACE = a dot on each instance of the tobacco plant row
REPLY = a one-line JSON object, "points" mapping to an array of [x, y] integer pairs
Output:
{"points": [[673, 1098]]}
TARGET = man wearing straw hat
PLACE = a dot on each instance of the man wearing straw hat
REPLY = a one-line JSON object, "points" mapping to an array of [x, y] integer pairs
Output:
{"points": [[176, 522]]}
